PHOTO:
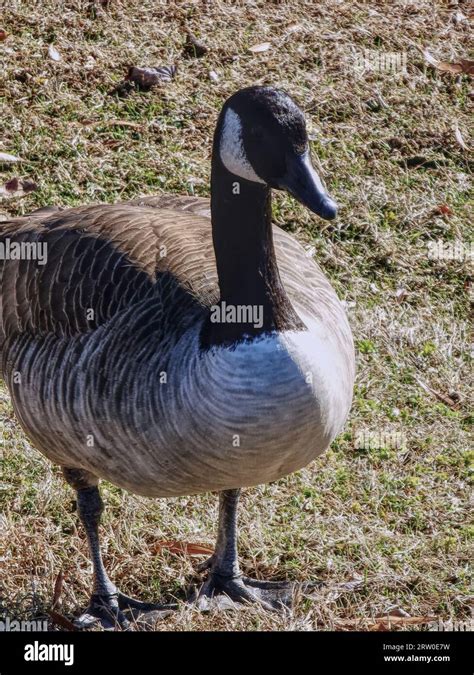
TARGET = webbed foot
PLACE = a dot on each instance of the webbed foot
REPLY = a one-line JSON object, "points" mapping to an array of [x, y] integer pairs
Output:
{"points": [[104, 611], [229, 592], [117, 611]]}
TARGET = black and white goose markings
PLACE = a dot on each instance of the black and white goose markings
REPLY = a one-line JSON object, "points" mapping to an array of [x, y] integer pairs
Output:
{"points": [[117, 371]]}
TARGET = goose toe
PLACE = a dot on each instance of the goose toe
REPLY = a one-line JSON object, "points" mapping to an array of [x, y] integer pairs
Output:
{"points": [[120, 612], [233, 593], [104, 612]]}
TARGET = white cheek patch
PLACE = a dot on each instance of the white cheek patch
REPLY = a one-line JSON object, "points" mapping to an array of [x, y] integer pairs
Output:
{"points": [[232, 148]]}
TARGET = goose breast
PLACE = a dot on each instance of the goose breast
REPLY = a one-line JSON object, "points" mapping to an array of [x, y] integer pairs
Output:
{"points": [[102, 355]]}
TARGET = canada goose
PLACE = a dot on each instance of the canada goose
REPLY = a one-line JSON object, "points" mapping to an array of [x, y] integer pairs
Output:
{"points": [[124, 362]]}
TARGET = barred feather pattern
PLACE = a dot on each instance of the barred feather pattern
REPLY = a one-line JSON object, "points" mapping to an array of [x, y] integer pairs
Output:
{"points": [[100, 349]]}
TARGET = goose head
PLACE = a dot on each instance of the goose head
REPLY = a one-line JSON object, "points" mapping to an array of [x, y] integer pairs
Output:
{"points": [[261, 137]]}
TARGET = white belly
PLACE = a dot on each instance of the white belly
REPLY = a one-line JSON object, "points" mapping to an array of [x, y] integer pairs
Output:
{"points": [[266, 409], [222, 419]]}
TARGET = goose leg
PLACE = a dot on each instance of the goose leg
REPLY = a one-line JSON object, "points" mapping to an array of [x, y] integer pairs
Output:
{"points": [[107, 605], [225, 580]]}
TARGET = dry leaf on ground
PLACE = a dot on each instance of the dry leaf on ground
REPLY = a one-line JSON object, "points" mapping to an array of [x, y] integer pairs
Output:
{"points": [[144, 79], [61, 621], [183, 548], [261, 47], [465, 66], [53, 53], [15, 187], [447, 400], [443, 209], [58, 587], [383, 623], [459, 138]]}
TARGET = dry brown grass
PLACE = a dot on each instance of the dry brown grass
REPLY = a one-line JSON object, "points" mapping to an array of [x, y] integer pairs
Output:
{"points": [[394, 521]]}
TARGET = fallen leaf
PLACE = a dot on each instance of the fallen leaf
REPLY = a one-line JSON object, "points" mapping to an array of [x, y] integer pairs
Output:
{"points": [[431, 59], [194, 48], [401, 294], [459, 138], [182, 548], [383, 623], [3, 35], [448, 67], [58, 587], [5, 157], [62, 621], [447, 400], [262, 47], [15, 187], [465, 66], [148, 77], [53, 53], [294, 27], [444, 210], [213, 76], [12, 185], [144, 79]]}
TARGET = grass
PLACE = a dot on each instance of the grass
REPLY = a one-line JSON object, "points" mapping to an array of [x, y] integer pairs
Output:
{"points": [[386, 525]]}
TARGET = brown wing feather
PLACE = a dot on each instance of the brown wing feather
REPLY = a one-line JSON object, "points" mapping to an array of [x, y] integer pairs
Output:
{"points": [[198, 205], [301, 275], [100, 260], [105, 258]]}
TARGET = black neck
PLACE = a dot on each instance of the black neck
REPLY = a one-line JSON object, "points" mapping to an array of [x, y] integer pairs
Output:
{"points": [[245, 257]]}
